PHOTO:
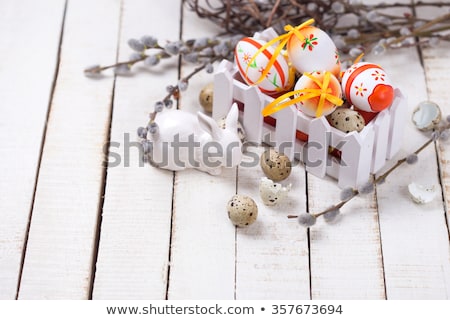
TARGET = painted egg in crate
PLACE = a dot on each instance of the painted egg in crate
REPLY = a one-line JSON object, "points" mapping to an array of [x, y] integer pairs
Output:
{"points": [[280, 77], [316, 51], [309, 106], [367, 87]]}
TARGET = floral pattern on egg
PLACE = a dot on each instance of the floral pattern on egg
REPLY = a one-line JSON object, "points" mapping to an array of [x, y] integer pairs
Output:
{"points": [[367, 87]]}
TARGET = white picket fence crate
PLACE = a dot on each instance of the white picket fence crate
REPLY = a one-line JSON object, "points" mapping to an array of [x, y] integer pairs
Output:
{"points": [[357, 154]]}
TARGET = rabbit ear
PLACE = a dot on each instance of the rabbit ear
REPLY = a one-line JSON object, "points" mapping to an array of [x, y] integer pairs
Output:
{"points": [[232, 117], [210, 125]]}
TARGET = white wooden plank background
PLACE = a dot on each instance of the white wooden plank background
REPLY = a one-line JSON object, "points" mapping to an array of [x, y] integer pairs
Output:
{"points": [[135, 229], [59, 253], [131, 232], [26, 84]]}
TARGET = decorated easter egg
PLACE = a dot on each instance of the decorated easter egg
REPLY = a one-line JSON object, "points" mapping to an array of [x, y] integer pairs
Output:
{"points": [[280, 76], [367, 87], [346, 120], [308, 84], [313, 51]]}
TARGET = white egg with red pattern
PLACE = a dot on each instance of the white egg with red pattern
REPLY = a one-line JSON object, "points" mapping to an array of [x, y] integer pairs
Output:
{"points": [[280, 77], [367, 87], [313, 51]]}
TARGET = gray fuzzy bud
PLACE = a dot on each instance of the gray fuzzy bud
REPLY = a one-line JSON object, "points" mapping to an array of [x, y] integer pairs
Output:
{"points": [[122, 70], [142, 132], [191, 57], [209, 68], [147, 146], [444, 135], [347, 193], [136, 45], [435, 135], [182, 85], [159, 106], [153, 128], [173, 48], [168, 103], [200, 43], [207, 52], [152, 60], [366, 188], [307, 220], [412, 158], [149, 41], [135, 56], [331, 215], [338, 7]]}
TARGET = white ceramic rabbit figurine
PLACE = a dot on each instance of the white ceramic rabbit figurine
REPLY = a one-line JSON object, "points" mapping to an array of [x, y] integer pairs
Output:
{"points": [[184, 140]]}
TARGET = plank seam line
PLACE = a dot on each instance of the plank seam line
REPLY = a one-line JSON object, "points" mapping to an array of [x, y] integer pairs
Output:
{"points": [[105, 170], [381, 241], [440, 174], [235, 239], [172, 209], [308, 237], [44, 134]]}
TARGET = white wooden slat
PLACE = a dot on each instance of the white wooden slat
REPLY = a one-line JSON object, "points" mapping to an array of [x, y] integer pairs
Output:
{"points": [[272, 259], [223, 90], [437, 75], [285, 132], [26, 84], [202, 264], [381, 126], [317, 147], [252, 116], [61, 241], [397, 124], [346, 258], [136, 221], [414, 237]]}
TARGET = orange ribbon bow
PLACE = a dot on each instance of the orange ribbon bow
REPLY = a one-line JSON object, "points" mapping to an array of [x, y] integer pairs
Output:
{"points": [[324, 92]]}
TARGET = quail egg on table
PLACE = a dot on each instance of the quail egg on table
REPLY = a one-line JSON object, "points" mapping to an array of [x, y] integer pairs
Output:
{"points": [[276, 166], [242, 210]]}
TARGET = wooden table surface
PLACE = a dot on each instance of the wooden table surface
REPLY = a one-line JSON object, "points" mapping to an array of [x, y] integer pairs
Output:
{"points": [[73, 228]]}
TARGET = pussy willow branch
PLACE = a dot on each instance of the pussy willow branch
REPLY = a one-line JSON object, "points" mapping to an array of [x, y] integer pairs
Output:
{"points": [[379, 179], [175, 92]]}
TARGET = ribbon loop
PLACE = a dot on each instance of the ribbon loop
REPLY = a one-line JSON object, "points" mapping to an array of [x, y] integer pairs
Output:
{"points": [[324, 93], [282, 39]]}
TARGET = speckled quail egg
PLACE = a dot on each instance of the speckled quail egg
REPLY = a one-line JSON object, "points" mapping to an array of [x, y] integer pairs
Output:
{"points": [[346, 120], [206, 97], [242, 210], [240, 129], [276, 166]]}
